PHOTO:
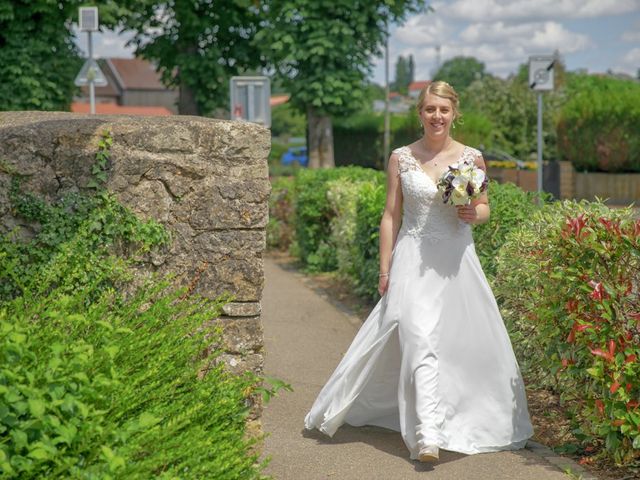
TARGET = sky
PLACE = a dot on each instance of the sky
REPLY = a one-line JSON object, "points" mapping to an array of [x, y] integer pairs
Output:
{"points": [[596, 35]]}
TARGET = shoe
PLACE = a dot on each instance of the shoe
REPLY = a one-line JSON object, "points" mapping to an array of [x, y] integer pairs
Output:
{"points": [[430, 453]]}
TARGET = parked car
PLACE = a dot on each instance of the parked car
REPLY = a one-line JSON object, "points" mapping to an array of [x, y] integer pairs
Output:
{"points": [[295, 155], [500, 157]]}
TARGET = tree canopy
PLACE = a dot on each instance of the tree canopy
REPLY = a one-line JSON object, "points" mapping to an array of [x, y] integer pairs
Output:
{"points": [[323, 50], [38, 56], [197, 45], [404, 74], [460, 72]]}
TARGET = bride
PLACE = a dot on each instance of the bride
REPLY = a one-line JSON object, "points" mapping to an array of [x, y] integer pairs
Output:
{"points": [[433, 360]]}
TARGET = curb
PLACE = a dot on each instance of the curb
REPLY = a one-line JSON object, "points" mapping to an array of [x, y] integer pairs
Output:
{"points": [[565, 464]]}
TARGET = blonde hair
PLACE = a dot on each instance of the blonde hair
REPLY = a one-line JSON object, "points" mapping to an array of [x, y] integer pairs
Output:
{"points": [[444, 90]]}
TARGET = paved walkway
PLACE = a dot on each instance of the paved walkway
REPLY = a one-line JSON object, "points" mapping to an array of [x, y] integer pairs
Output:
{"points": [[305, 336]]}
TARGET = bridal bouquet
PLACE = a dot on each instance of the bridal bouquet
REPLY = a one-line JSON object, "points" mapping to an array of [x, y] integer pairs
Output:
{"points": [[462, 182]]}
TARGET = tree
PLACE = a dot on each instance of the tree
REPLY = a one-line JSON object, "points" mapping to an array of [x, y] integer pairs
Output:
{"points": [[38, 56], [403, 75], [511, 107], [412, 70], [323, 52], [197, 46], [460, 72]]}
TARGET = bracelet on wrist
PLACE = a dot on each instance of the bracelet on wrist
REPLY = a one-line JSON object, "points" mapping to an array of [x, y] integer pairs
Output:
{"points": [[383, 274]]}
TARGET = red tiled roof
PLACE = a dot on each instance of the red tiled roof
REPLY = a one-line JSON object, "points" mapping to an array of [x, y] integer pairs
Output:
{"points": [[136, 73], [279, 99], [418, 85], [114, 109]]}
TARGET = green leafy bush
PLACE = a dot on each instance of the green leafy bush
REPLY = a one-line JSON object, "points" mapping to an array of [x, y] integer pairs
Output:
{"points": [[476, 130], [344, 197], [569, 281], [286, 121], [80, 229], [599, 127], [111, 390], [280, 228], [510, 207], [313, 214], [366, 262], [102, 377]]}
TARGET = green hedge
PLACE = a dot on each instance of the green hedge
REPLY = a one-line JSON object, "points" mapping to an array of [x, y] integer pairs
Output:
{"points": [[313, 213], [280, 230], [337, 215], [569, 283], [599, 127], [510, 207]]}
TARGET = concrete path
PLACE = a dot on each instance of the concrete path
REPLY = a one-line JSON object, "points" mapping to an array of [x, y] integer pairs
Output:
{"points": [[305, 337]]}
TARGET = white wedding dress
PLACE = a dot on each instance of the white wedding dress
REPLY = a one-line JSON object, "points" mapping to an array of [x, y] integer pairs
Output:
{"points": [[433, 360]]}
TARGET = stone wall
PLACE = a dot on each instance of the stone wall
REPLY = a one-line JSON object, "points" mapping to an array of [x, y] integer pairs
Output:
{"points": [[205, 180]]}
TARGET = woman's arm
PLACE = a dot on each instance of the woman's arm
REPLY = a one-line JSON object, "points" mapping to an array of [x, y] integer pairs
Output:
{"points": [[478, 210], [390, 223]]}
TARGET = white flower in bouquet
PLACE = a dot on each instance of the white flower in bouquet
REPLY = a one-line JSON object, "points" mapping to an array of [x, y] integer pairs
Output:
{"points": [[461, 183]]}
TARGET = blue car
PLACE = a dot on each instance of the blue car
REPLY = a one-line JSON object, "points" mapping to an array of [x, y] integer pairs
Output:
{"points": [[295, 155]]}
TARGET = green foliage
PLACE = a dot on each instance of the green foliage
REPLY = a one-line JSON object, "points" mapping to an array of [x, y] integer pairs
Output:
{"points": [[599, 128], [79, 229], [510, 208], [460, 72], [323, 50], [197, 46], [38, 56], [476, 130], [110, 389], [280, 232], [344, 196], [287, 122], [100, 168], [569, 281], [313, 214], [358, 139], [404, 74], [511, 108], [366, 262], [102, 376]]}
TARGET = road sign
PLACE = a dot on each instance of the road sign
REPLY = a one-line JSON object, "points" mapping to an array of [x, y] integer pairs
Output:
{"points": [[88, 19], [250, 99], [541, 72], [90, 71]]}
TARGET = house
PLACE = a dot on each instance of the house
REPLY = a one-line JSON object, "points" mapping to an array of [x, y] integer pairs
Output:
{"points": [[133, 82], [416, 87]]}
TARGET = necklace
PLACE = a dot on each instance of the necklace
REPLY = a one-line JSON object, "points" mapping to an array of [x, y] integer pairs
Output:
{"points": [[433, 160]]}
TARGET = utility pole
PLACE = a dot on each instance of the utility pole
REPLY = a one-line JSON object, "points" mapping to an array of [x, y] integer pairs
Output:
{"points": [[387, 122]]}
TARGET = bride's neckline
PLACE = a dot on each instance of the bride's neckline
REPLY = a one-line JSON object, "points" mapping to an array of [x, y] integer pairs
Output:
{"points": [[419, 165]]}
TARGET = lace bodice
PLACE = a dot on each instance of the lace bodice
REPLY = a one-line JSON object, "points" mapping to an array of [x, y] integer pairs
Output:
{"points": [[424, 213]]}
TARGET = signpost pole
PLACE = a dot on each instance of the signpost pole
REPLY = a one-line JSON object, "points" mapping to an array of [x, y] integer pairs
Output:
{"points": [[90, 78], [540, 80], [539, 143]]}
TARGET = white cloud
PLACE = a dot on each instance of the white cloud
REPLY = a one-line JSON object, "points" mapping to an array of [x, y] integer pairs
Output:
{"points": [[530, 36], [527, 10], [107, 43], [501, 47], [424, 29]]}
